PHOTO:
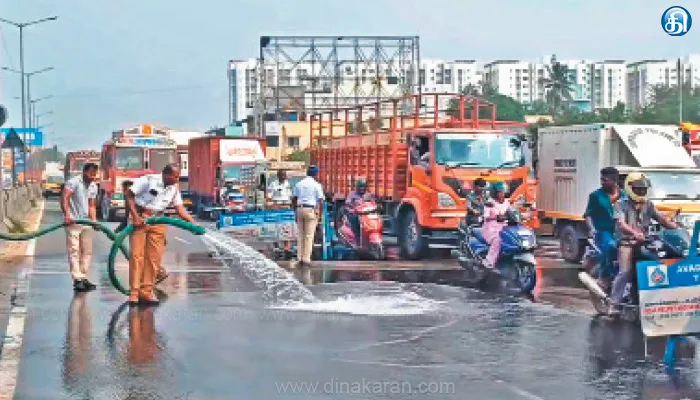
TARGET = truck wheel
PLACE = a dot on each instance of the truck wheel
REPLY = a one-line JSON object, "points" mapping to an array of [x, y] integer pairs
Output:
{"points": [[413, 244], [570, 245]]}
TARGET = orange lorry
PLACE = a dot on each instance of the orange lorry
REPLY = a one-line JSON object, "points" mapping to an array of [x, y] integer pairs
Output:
{"points": [[420, 155], [691, 140]]}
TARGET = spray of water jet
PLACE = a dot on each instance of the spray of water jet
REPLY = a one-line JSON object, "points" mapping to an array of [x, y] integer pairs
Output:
{"points": [[278, 285]]}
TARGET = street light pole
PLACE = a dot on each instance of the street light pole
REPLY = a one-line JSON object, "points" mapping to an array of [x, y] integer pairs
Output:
{"points": [[21, 27]]}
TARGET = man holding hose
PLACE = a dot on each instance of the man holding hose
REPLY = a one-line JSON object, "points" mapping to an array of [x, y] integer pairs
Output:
{"points": [[78, 202], [149, 196]]}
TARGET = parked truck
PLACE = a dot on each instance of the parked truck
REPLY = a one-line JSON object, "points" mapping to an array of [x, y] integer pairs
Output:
{"points": [[215, 162], [691, 140], [75, 160], [130, 154], [570, 160], [182, 140], [420, 155]]}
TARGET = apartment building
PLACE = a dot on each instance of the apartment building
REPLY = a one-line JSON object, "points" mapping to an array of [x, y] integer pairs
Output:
{"points": [[643, 75], [595, 84]]}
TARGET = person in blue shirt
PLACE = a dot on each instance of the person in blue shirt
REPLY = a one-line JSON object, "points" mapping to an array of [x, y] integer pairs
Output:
{"points": [[600, 218]]}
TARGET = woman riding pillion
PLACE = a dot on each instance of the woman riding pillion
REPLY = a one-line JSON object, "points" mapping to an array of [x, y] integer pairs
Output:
{"points": [[494, 221], [633, 215]]}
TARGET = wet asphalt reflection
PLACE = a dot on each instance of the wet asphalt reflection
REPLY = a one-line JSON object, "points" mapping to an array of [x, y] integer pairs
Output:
{"points": [[370, 334]]}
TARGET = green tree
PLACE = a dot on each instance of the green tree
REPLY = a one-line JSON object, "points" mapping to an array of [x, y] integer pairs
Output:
{"points": [[300, 155], [539, 107], [558, 85], [507, 108], [664, 105]]}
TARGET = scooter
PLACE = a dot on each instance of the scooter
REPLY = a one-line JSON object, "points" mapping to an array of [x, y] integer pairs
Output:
{"points": [[371, 231], [516, 261], [659, 245]]}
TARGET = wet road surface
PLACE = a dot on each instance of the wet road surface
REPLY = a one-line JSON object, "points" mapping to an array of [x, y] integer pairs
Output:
{"points": [[216, 337]]}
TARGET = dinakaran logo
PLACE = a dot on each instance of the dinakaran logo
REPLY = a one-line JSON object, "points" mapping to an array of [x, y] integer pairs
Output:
{"points": [[676, 21], [658, 275]]}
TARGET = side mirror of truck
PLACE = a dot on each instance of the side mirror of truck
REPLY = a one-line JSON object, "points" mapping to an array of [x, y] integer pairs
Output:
{"points": [[218, 172]]}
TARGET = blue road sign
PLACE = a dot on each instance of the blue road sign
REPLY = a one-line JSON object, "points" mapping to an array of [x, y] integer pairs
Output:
{"points": [[30, 136]]}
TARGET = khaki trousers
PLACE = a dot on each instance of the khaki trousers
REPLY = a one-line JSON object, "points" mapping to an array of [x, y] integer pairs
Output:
{"points": [[306, 224], [79, 243], [147, 247]]}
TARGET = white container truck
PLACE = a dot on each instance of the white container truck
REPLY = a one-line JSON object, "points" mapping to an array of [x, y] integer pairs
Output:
{"points": [[570, 159]]}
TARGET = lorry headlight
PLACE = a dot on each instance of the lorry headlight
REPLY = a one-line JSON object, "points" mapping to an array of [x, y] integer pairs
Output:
{"points": [[445, 200]]}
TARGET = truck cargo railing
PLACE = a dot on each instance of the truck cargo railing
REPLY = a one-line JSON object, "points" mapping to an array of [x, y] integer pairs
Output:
{"points": [[376, 131]]}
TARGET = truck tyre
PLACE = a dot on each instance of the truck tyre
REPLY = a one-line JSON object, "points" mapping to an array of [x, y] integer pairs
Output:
{"points": [[411, 241], [570, 246]]}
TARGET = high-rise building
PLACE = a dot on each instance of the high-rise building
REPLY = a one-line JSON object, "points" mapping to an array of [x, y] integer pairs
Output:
{"points": [[595, 84], [643, 76]]}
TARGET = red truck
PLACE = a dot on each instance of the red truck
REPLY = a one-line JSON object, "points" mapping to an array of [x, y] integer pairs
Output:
{"points": [[216, 161], [130, 154], [75, 160]]}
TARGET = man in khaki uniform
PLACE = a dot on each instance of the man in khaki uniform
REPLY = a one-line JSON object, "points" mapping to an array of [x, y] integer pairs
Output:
{"points": [[149, 196], [307, 200]]}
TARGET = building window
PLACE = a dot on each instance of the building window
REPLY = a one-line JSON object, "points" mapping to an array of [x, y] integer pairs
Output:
{"points": [[273, 141], [293, 142]]}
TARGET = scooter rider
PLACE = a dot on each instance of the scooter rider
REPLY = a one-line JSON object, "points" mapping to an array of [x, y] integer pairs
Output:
{"points": [[600, 218], [494, 221], [633, 214], [356, 198], [476, 199]]}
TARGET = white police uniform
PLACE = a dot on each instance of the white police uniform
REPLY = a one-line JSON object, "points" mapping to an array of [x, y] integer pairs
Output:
{"points": [[309, 194], [151, 194]]}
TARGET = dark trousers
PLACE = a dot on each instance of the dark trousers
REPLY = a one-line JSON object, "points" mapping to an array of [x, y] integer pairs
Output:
{"points": [[607, 244], [355, 225]]}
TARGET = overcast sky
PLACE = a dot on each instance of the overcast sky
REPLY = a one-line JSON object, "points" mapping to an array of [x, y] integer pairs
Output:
{"points": [[130, 61]]}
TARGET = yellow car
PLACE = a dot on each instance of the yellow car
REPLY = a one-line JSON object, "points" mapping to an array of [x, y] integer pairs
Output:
{"points": [[53, 186]]}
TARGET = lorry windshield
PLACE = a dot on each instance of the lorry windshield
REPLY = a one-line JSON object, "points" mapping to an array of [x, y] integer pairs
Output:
{"points": [[129, 159], [159, 158], [55, 179], [672, 184], [479, 150], [232, 172]]}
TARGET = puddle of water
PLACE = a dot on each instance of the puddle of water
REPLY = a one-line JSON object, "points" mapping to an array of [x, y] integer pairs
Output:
{"points": [[397, 304], [278, 285]]}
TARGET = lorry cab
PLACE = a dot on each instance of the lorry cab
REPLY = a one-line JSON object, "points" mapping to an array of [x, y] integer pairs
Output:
{"points": [[443, 165], [130, 154]]}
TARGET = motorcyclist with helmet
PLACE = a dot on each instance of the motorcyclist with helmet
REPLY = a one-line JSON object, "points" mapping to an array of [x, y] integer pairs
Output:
{"points": [[356, 198], [494, 221], [634, 214]]}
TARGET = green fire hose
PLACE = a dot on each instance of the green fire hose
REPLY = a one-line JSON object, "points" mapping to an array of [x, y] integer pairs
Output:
{"points": [[117, 239]]}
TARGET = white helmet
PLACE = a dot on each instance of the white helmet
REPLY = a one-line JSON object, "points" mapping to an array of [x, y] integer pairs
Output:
{"points": [[636, 186]]}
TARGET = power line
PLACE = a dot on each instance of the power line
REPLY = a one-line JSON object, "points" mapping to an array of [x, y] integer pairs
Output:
{"points": [[7, 51]]}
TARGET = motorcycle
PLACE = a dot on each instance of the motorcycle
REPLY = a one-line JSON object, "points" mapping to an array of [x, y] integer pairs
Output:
{"points": [[516, 261], [659, 245], [371, 230]]}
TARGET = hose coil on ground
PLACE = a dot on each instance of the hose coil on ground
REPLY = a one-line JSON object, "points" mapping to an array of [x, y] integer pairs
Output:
{"points": [[117, 239]]}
